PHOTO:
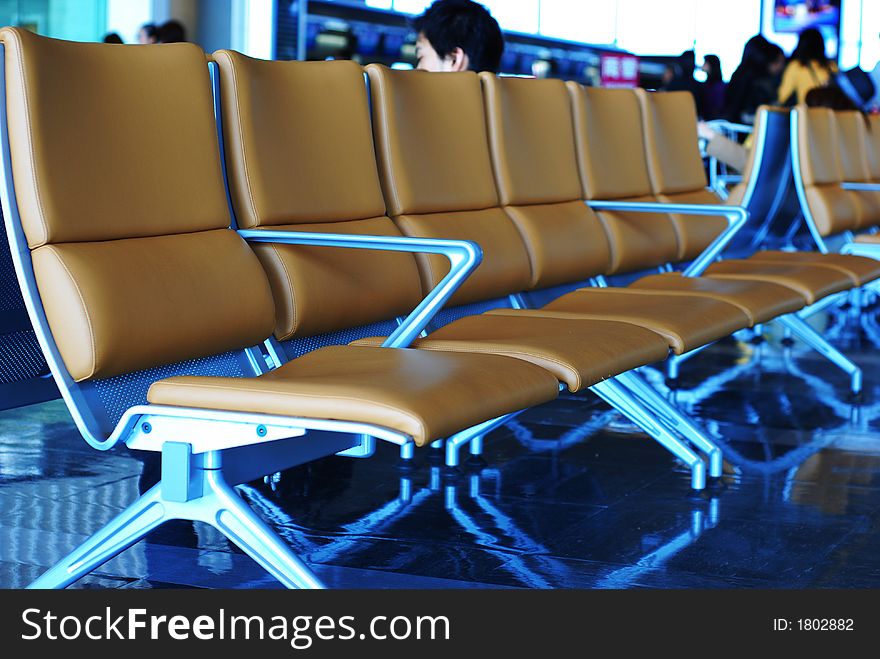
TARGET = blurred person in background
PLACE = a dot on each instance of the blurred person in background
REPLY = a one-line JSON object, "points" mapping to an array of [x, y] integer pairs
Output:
{"points": [[713, 89], [755, 81], [684, 80], [458, 35], [148, 33], [809, 68], [733, 154], [112, 37], [171, 32]]}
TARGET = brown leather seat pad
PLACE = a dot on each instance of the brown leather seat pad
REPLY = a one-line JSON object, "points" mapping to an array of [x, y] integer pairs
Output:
{"points": [[761, 301], [686, 322], [422, 394], [860, 269], [578, 352], [813, 282]]}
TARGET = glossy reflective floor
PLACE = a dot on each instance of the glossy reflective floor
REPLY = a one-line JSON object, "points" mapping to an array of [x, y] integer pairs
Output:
{"points": [[567, 496]]}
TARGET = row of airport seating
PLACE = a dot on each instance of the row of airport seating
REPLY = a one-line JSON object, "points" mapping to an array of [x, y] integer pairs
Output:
{"points": [[207, 273], [837, 162]]}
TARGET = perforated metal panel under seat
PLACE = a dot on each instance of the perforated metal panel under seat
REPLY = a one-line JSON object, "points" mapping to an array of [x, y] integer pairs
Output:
{"points": [[297, 347], [115, 395], [543, 297], [10, 293], [452, 314], [21, 357]]}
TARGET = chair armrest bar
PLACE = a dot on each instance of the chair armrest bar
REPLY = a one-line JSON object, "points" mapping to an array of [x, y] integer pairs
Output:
{"points": [[736, 216], [464, 257]]}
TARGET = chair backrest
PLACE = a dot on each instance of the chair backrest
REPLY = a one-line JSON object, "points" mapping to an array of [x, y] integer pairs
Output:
{"points": [[531, 139], [873, 147], [767, 190], [120, 210], [437, 179], [299, 156], [852, 145], [611, 161], [818, 168], [676, 167]]}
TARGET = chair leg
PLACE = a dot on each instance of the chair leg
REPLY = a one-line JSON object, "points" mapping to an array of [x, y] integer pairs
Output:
{"points": [[218, 505], [454, 444], [674, 418], [627, 404], [122, 532], [224, 509], [674, 362], [817, 342]]}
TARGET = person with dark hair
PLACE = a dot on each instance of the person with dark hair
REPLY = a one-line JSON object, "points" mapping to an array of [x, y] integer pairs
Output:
{"points": [[755, 81], [809, 68], [458, 35], [830, 97], [713, 89], [112, 37], [171, 32], [684, 80], [148, 34]]}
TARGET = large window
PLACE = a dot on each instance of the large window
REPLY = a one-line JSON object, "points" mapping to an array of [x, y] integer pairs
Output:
{"points": [[79, 20], [589, 21]]}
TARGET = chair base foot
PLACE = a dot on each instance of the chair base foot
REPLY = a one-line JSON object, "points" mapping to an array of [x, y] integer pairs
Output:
{"points": [[209, 499]]}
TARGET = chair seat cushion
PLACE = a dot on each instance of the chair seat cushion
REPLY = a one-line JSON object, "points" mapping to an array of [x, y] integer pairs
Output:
{"points": [[811, 281], [761, 301], [860, 269], [425, 395], [685, 322], [578, 352]]}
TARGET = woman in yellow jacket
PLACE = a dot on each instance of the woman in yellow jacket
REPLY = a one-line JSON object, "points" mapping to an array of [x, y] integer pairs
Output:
{"points": [[808, 68]]}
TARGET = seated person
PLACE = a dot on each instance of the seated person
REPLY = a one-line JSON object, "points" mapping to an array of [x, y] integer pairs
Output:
{"points": [[458, 35], [735, 155]]}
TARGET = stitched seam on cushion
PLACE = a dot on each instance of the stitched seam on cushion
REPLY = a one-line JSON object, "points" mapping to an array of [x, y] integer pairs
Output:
{"points": [[292, 291], [241, 141], [304, 395], [82, 300], [385, 138], [32, 158], [495, 350]]}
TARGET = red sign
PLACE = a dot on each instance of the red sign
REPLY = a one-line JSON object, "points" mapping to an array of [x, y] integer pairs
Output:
{"points": [[617, 70]]}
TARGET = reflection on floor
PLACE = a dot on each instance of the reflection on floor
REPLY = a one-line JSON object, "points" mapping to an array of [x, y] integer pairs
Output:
{"points": [[567, 496]]}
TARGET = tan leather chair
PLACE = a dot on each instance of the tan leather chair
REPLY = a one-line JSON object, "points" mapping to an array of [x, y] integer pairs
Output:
{"points": [[534, 164], [852, 146], [606, 148], [815, 275], [135, 276], [611, 139], [872, 147], [328, 103], [438, 180], [259, 100]]}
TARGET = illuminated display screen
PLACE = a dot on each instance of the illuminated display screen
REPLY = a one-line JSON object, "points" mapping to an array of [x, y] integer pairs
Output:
{"points": [[797, 15]]}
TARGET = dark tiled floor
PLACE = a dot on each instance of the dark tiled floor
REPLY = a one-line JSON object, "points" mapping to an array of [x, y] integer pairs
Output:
{"points": [[568, 495]]}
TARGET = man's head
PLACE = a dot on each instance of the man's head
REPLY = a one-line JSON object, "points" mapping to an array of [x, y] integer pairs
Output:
{"points": [[458, 35]]}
